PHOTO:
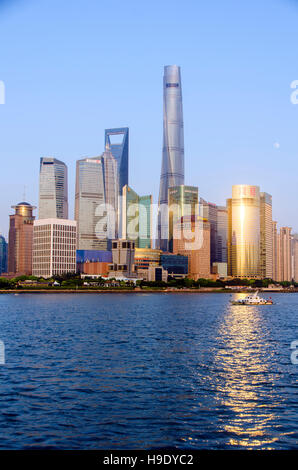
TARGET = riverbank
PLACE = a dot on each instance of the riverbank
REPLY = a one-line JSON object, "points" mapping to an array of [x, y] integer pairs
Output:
{"points": [[202, 290]]}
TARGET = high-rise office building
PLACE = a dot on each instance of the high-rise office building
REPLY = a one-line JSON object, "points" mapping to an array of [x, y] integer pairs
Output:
{"points": [[20, 239], [266, 239], [3, 255], [89, 196], [96, 201], [194, 242], [136, 218], [172, 169], [208, 211], [217, 216], [53, 199], [221, 235], [285, 270], [111, 189], [229, 237], [295, 257], [117, 140], [54, 247], [244, 232], [182, 202], [275, 252]]}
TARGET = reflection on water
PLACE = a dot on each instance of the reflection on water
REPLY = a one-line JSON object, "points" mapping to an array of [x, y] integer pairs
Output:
{"points": [[245, 383], [161, 370]]}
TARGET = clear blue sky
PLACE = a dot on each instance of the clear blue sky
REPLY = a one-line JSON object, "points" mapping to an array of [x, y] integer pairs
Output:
{"points": [[74, 68]]}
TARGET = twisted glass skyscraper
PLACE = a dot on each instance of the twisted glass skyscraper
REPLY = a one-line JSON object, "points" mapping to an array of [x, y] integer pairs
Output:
{"points": [[172, 169]]}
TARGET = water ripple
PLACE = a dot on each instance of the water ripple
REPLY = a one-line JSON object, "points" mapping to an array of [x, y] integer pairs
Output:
{"points": [[152, 371]]}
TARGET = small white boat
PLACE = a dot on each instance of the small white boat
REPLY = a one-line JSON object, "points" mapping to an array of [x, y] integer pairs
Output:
{"points": [[252, 299]]}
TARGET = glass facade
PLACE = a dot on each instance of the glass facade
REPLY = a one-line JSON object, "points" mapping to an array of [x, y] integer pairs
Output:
{"points": [[222, 235], [96, 201], [209, 212], [3, 255], [145, 257], [183, 201], [53, 199], [244, 237], [120, 152], [94, 256], [266, 247], [172, 169], [89, 195], [136, 218], [111, 189], [174, 264]]}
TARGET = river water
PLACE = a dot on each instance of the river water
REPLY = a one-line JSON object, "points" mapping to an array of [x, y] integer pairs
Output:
{"points": [[135, 371]]}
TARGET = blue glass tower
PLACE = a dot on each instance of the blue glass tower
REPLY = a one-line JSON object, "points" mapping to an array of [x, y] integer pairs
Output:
{"points": [[119, 149], [3, 255]]}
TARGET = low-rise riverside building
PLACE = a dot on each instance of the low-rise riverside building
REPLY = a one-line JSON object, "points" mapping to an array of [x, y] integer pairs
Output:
{"points": [[54, 247], [123, 255], [93, 262]]}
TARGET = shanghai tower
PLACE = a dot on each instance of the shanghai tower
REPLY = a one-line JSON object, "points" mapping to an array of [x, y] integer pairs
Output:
{"points": [[172, 169]]}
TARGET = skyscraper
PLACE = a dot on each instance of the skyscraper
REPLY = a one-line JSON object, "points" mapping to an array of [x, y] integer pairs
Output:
{"points": [[183, 201], [209, 212], [275, 252], [119, 149], [285, 273], [89, 196], [172, 169], [244, 231], [137, 218], [3, 255], [193, 241], [222, 234], [96, 201], [111, 192], [266, 239], [53, 199], [20, 239], [295, 257]]}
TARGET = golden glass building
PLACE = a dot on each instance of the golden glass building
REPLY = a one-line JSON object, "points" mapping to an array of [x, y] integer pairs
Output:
{"points": [[244, 231]]}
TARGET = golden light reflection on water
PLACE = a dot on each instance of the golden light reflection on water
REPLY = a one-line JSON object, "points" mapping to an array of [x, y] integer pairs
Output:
{"points": [[245, 370]]}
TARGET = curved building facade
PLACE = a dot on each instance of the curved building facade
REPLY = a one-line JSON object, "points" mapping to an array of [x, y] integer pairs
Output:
{"points": [[244, 231], [21, 239], [172, 169]]}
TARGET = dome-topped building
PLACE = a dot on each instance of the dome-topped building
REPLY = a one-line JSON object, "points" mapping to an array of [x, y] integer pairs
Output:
{"points": [[20, 239]]}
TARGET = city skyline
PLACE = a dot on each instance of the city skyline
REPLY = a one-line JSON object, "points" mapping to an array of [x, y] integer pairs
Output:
{"points": [[239, 121]]}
